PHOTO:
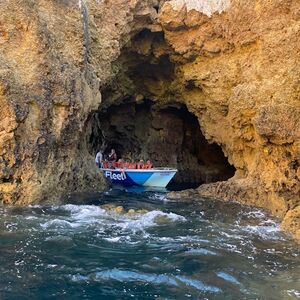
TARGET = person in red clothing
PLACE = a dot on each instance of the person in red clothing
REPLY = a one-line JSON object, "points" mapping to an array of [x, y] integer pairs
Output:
{"points": [[133, 165], [141, 164], [120, 164], [126, 165], [148, 165], [105, 164]]}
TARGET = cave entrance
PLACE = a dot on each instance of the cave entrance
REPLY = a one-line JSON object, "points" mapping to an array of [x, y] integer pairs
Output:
{"points": [[168, 135]]}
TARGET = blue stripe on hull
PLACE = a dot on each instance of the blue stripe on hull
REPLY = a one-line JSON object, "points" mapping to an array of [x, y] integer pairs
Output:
{"points": [[139, 178], [148, 178]]}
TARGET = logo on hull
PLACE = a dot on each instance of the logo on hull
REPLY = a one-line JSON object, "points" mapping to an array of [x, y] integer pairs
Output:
{"points": [[114, 176]]}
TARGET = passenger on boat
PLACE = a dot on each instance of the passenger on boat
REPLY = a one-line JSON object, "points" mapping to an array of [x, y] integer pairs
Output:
{"points": [[120, 164], [105, 164], [141, 164], [148, 165], [132, 165], [98, 159], [112, 157]]}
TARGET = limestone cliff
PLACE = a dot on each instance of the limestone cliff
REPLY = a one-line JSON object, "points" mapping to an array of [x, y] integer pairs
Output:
{"points": [[55, 56], [234, 65], [244, 69]]}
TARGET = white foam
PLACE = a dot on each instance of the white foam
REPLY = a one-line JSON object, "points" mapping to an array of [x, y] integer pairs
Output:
{"points": [[258, 214], [113, 239], [294, 293], [135, 276], [84, 211], [231, 279], [228, 278], [184, 239], [268, 230], [57, 223], [200, 251], [207, 7], [199, 285], [150, 219], [79, 215], [59, 238], [78, 278], [31, 218], [160, 197]]}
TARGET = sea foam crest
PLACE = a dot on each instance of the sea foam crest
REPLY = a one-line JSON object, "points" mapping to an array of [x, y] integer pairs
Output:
{"points": [[152, 215], [78, 215], [268, 230], [207, 7], [81, 212], [152, 218], [122, 275]]}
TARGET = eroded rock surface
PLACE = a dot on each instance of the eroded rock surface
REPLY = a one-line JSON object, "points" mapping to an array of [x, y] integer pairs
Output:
{"points": [[233, 64], [55, 56]]}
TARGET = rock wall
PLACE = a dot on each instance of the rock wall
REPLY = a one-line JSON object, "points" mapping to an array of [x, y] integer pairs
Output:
{"points": [[246, 95], [234, 64], [55, 56]]}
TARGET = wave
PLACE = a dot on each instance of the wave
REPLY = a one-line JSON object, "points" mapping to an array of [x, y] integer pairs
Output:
{"points": [[200, 251], [156, 279], [267, 230], [107, 223]]}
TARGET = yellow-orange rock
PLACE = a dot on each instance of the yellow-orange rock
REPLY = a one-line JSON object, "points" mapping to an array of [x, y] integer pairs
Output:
{"points": [[238, 72], [291, 222]]}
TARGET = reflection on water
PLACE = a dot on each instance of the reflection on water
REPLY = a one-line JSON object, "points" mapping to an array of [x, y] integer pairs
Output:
{"points": [[127, 244]]}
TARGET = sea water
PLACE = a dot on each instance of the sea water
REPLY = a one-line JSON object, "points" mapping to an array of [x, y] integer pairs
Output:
{"points": [[183, 249]]}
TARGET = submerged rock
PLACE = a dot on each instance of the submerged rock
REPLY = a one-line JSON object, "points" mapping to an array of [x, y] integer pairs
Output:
{"points": [[131, 211], [120, 210], [161, 219], [108, 206]]}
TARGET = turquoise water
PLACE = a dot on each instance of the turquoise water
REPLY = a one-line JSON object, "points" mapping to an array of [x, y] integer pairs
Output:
{"points": [[171, 250]]}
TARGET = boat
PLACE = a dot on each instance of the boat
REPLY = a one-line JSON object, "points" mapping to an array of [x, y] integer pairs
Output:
{"points": [[158, 177]]}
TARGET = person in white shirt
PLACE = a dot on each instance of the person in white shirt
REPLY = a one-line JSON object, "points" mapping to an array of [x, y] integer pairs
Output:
{"points": [[99, 159]]}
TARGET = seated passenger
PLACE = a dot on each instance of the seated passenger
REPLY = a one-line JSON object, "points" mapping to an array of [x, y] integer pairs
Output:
{"points": [[105, 164], [120, 164], [141, 164], [132, 165], [124, 165], [148, 165]]}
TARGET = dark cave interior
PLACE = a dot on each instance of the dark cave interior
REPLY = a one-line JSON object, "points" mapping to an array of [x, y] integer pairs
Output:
{"points": [[153, 126], [169, 136]]}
